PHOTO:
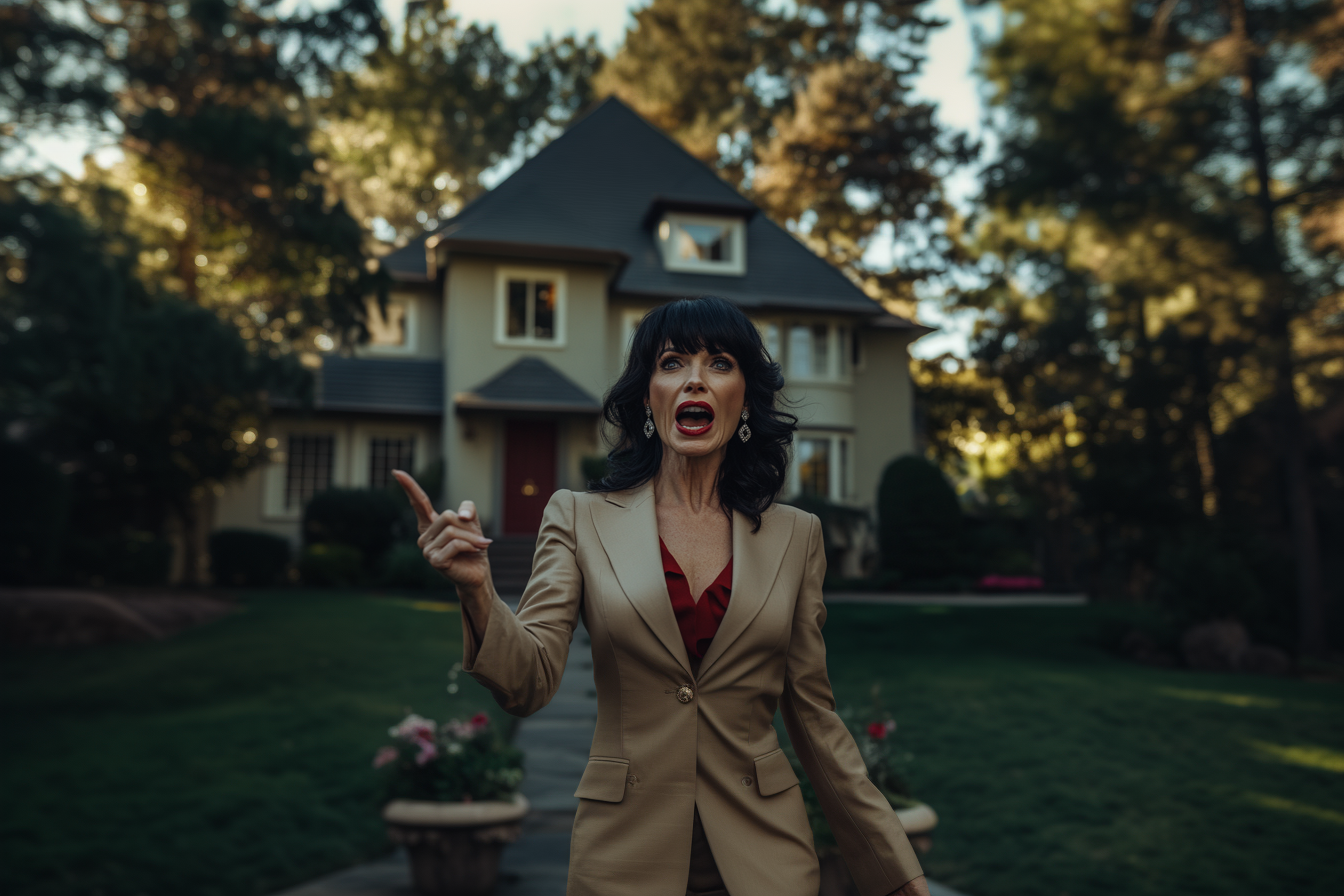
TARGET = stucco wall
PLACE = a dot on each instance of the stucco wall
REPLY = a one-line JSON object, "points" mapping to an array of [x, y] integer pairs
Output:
{"points": [[473, 442], [883, 408]]}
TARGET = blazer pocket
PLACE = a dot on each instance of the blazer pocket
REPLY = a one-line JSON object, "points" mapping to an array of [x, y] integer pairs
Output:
{"points": [[774, 773], [604, 779]]}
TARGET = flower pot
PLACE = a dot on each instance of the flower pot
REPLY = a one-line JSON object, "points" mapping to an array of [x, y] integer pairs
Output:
{"points": [[918, 820], [454, 848]]}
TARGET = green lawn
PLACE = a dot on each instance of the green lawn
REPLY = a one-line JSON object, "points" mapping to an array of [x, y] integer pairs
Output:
{"points": [[1058, 769], [234, 759], [230, 760]]}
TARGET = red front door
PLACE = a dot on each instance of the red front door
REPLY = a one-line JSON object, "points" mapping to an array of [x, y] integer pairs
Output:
{"points": [[529, 473]]}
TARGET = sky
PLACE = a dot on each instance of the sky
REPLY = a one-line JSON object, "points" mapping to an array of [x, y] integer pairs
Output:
{"points": [[947, 79]]}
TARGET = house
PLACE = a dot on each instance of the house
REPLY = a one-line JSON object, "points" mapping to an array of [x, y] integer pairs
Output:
{"points": [[507, 325]]}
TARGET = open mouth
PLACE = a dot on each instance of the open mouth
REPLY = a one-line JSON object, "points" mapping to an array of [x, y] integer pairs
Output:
{"points": [[694, 418]]}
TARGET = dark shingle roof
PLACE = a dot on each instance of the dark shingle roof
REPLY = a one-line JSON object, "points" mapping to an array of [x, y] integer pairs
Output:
{"points": [[591, 193], [529, 384], [380, 385]]}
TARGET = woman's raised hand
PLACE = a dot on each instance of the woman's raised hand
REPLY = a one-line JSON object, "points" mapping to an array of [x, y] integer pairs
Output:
{"points": [[452, 542]]}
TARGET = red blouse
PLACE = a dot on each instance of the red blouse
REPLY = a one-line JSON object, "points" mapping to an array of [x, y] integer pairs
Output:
{"points": [[698, 620]]}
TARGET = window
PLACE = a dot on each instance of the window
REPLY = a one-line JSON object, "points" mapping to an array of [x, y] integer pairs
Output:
{"points": [[814, 467], [389, 329], [308, 466], [703, 244], [770, 336], [530, 308], [821, 467], [386, 455], [818, 351]]}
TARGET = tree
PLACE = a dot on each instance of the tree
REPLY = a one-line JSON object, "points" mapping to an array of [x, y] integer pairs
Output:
{"points": [[145, 402], [207, 100], [1162, 244], [407, 134], [807, 108]]}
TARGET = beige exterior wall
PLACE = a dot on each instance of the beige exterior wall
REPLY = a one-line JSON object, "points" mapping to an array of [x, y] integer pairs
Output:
{"points": [[866, 406], [884, 402], [257, 501], [473, 354]]}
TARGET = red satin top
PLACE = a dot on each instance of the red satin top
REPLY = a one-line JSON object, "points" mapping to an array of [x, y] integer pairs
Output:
{"points": [[698, 620]]}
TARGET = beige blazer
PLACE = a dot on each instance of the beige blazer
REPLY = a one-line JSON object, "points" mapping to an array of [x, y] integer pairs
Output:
{"points": [[666, 740]]}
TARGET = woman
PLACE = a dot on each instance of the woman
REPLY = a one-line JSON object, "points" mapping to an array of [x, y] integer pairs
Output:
{"points": [[703, 601]]}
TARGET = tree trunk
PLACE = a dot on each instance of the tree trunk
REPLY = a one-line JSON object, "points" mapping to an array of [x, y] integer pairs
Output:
{"points": [[1291, 443]]}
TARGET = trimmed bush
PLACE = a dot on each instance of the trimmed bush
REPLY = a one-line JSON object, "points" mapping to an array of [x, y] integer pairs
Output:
{"points": [[325, 565], [593, 467], [405, 566], [243, 558], [920, 528], [368, 520]]}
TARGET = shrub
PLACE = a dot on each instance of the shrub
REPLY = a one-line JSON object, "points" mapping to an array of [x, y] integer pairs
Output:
{"points": [[368, 520], [920, 526], [593, 467], [130, 557], [405, 566], [326, 565], [247, 559], [842, 528]]}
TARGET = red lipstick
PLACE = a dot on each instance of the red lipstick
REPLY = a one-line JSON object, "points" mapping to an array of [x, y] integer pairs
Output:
{"points": [[694, 418]]}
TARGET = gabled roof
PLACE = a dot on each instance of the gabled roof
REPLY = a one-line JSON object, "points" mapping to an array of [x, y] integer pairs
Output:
{"points": [[529, 384], [593, 194], [380, 386]]}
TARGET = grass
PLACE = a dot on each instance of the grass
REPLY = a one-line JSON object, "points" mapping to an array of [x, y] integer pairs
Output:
{"points": [[1058, 769], [233, 759]]}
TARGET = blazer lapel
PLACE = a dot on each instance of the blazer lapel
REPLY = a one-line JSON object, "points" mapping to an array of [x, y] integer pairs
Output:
{"points": [[628, 528], [757, 557]]}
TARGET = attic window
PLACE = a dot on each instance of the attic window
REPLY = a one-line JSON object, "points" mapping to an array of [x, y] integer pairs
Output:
{"points": [[706, 244]]}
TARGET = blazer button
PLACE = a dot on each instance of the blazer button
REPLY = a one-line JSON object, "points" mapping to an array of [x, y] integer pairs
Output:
{"points": [[684, 693], [746, 781]]}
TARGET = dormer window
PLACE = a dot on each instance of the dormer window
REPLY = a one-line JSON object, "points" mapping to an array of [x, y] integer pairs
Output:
{"points": [[704, 244]]}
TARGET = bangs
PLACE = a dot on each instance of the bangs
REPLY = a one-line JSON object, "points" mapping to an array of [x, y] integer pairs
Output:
{"points": [[692, 326]]}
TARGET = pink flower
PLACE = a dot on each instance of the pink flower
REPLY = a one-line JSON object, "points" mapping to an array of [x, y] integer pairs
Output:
{"points": [[428, 752], [385, 756], [480, 720], [413, 728], [877, 731]]}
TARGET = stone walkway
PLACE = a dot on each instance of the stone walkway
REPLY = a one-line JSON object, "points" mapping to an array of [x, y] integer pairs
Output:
{"points": [[556, 741]]}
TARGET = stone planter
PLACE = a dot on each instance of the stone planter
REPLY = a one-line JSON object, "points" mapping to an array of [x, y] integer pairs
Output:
{"points": [[454, 848], [918, 820]]}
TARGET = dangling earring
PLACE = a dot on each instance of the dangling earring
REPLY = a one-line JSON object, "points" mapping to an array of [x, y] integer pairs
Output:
{"points": [[648, 422], [744, 431]]}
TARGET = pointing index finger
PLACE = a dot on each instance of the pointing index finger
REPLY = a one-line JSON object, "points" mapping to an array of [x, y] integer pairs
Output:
{"points": [[424, 510]]}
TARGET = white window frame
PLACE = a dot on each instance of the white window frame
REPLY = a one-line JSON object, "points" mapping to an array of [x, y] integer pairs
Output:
{"points": [[736, 266], [409, 324], [841, 485], [274, 474], [502, 277], [361, 449]]}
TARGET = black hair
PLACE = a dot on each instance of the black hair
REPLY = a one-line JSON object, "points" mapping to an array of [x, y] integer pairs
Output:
{"points": [[752, 474]]}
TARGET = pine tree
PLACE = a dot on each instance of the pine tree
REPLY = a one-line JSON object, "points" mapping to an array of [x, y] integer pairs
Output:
{"points": [[1164, 228]]}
